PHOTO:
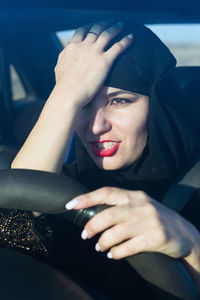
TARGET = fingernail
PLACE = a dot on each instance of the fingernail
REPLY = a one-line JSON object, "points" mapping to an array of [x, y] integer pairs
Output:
{"points": [[120, 23], [84, 234], [130, 36], [109, 255], [97, 247], [71, 204]]}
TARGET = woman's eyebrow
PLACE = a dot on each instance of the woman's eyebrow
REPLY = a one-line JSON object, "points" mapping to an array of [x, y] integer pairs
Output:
{"points": [[122, 92]]}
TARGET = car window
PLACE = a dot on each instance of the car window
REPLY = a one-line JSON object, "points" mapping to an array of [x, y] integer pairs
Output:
{"points": [[183, 40], [17, 88], [65, 36]]}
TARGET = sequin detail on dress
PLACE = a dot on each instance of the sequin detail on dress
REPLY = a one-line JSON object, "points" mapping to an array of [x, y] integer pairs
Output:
{"points": [[21, 231]]}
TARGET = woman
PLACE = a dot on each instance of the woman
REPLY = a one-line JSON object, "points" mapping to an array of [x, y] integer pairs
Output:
{"points": [[131, 145]]}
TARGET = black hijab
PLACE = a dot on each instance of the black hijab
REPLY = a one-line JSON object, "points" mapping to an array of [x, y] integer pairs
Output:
{"points": [[142, 68]]}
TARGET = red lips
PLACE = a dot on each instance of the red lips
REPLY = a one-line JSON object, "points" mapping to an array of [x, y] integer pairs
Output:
{"points": [[104, 152]]}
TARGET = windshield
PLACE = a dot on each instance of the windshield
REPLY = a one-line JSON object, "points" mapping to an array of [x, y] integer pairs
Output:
{"points": [[183, 40]]}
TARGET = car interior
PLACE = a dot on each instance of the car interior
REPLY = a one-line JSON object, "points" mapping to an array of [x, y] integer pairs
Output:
{"points": [[29, 47]]}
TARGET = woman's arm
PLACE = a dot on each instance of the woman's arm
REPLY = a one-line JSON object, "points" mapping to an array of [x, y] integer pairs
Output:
{"points": [[80, 72], [47, 144]]}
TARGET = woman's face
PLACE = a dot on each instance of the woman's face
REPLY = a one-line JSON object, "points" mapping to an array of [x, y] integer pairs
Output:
{"points": [[113, 127]]}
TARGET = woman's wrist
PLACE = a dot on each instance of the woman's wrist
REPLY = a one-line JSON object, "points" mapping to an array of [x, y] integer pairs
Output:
{"points": [[67, 98], [64, 99]]}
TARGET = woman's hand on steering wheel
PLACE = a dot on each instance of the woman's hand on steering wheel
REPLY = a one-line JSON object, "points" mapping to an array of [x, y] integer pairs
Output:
{"points": [[83, 65], [135, 223]]}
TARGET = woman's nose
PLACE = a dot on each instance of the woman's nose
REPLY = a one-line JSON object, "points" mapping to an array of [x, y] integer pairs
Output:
{"points": [[99, 122]]}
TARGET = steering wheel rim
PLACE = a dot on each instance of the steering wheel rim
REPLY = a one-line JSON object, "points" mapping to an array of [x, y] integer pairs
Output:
{"points": [[48, 193]]}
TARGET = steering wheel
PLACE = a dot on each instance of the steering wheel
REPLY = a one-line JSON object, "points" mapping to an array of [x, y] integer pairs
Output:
{"points": [[48, 193]]}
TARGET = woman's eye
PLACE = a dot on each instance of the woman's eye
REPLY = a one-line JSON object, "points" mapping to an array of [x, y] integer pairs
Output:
{"points": [[120, 101]]}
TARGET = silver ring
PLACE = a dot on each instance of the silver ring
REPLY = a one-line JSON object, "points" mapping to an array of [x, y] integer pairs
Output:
{"points": [[93, 33]]}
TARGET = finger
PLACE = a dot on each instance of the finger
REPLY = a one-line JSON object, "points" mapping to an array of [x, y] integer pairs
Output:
{"points": [[105, 195], [128, 248], [110, 196], [107, 218], [96, 30], [119, 47], [80, 33], [142, 243], [107, 35], [114, 236]]}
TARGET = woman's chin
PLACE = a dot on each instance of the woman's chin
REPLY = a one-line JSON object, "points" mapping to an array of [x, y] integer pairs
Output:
{"points": [[107, 163]]}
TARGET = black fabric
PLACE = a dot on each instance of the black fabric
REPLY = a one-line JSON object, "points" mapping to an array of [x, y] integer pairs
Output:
{"points": [[191, 210], [143, 64], [171, 146], [115, 279]]}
